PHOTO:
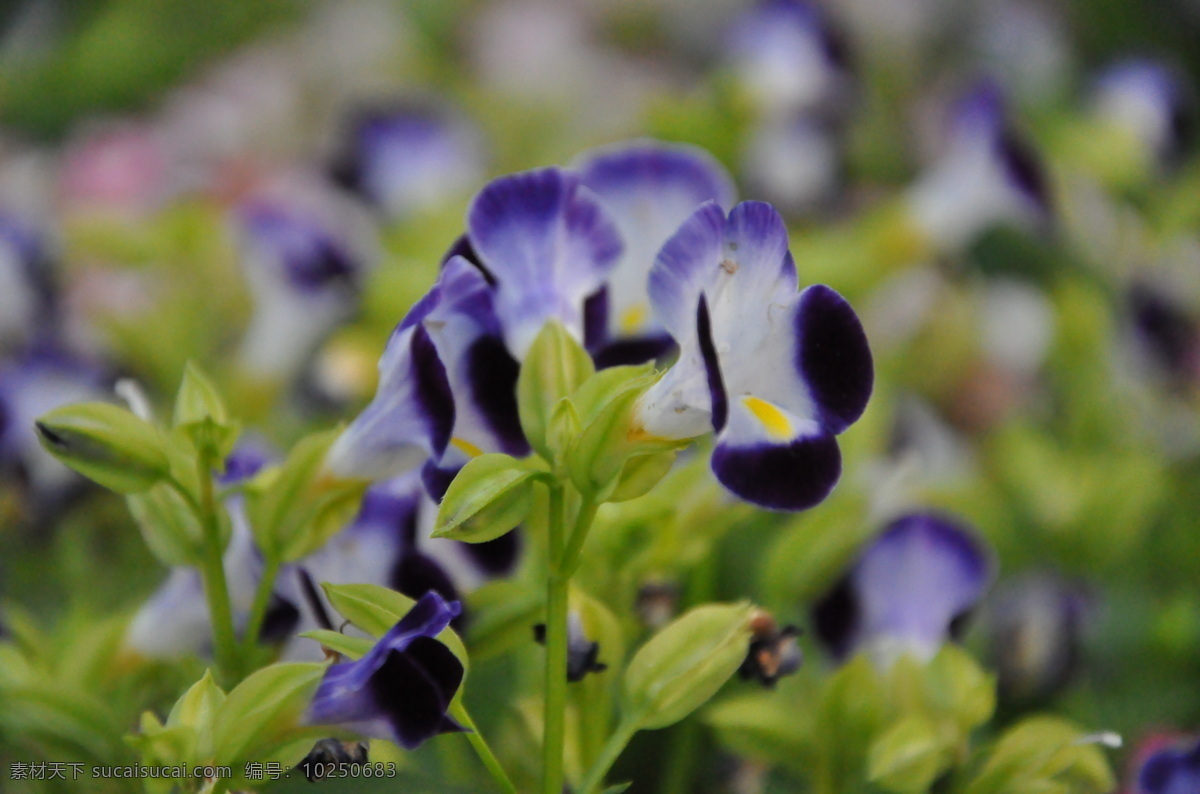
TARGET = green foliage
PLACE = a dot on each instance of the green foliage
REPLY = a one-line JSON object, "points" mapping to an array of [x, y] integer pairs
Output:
{"points": [[487, 498], [106, 444], [294, 508]]}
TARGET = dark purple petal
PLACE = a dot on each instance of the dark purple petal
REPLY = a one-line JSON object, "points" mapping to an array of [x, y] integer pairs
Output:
{"points": [[496, 557], [439, 662], [636, 350], [432, 390], [1025, 170], [595, 319], [492, 374], [833, 357], [408, 698], [437, 479], [793, 475], [418, 575], [837, 618], [684, 267], [248, 458], [712, 367], [302, 249]]}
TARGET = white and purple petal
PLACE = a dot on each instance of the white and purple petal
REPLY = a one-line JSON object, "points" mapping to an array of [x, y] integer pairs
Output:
{"points": [[411, 417], [37, 380], [786, 56], [305, 272], [907, 591], [649, 188], [548, 243], [408, 159], [774, 459], [987, 175], [1149, 101]]}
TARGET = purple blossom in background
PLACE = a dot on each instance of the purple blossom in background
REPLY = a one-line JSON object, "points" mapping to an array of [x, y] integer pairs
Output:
{"points": [[907, 591]]}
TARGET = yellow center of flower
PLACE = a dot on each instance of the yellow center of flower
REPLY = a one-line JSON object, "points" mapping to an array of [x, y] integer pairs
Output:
{"points": [[773, 420], [633, 318], [466, 446]]}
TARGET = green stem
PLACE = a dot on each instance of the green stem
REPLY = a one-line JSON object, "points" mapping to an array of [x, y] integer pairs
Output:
{"points": [[554, 715], [216, 587], [579, 533], [459, 712], [258, 610], [612, 750]]}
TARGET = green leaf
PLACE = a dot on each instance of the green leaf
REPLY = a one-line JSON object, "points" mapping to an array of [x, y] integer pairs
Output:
{"points": [[765, 726], [106, 444], [263, 713], [1044, 753], [617, 789], [170, 528], [554, 368], [296, 507], [909, 756], [682, 666], [376, 609], [488, 497], [201, 417]]}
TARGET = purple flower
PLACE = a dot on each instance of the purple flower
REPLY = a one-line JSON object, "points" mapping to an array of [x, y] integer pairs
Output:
{"points": [[777, 374], [786, 56], [649, 188], [907, 591], [447, 387], [408, 159], [37, 380], [401, 689], [27, 297], [1172, 771], [548, 243], [986, 175], [304, 260], [1150, 103]]}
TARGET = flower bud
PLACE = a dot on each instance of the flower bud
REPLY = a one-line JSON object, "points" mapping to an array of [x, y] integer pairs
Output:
{"points": [[106, 444], [684, 665]]}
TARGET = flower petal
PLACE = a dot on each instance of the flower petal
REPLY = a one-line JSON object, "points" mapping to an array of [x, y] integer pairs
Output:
{"points": [[775, 459], [833, 357], [410, 418], [683, 268], [650, 188], [549, 244], [921, 574]]}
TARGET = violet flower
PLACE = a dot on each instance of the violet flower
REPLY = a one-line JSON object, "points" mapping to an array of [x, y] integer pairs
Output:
{"points": [[402, 688], [907, 592], [776, 373]]}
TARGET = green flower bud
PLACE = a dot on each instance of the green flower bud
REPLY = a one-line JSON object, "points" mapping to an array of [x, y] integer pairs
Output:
{"points": [[684, 665], [600, 453], [554, 368], [106, 444], [489, 496], [200, 414]]}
